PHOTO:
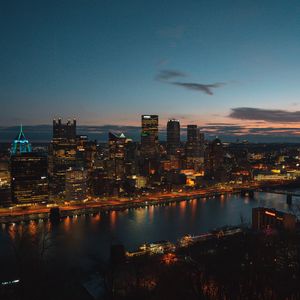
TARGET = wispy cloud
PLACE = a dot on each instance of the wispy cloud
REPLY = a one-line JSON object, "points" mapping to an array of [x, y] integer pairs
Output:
{"points": [[205, 88], [267, 115], [169, 74]]}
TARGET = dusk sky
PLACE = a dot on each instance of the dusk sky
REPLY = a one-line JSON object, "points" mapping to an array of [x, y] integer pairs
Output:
{"points": [[109, 61]]}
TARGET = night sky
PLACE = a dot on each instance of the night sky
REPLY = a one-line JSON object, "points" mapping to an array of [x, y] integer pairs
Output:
{"points": [[218, 64]]}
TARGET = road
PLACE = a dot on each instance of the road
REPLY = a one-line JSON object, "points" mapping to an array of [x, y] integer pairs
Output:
{"points": [[119, 203]]}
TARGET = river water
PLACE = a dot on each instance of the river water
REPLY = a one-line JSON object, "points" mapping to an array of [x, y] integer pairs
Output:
{"points": [[83, 240]]}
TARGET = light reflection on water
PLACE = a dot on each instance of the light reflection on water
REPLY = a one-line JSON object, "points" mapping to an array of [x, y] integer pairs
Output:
{"points": [[80, 236]]}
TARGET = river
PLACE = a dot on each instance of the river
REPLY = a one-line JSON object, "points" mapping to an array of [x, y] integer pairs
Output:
{"points": [[83, 240]]}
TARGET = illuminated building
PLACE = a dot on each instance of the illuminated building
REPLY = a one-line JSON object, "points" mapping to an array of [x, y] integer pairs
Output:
{"points": [[214, 160], [116, 144], [5, 180], [193, 141], [173, 136], [29, 182], [4, 173], [86, 156], [62, 156], [140, 182], [270, 176], [149, 135], [20, 145], [76, 184], [168, 165], [194, 160], [117, 151], [193, 178], [263, 218]]}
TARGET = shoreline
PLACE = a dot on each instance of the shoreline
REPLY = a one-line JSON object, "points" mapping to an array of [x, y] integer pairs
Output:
{"points": [[92, 208], [104, 205]]}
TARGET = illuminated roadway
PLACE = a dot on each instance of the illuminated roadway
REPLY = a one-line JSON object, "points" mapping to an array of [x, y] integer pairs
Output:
{"points": [[115, 203]]}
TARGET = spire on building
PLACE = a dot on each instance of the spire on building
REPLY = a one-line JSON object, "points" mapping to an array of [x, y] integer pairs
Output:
{"points": [[20, 144]]}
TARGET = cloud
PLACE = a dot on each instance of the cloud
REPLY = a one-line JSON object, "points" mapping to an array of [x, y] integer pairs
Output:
{"points": [[267, 115], [169, 74], [219, 124], [205, 88]]}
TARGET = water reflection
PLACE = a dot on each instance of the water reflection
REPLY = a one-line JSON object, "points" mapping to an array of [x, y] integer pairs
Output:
{"points": [[151, 213], [193, 204], [113, 217], [182, 206], [32, 228], [93, 233], [222, 200], [95, 219], [67, 223]]}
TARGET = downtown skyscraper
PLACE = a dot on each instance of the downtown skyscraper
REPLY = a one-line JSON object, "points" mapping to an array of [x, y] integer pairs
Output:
{"points": [[29, 180], [62, 156], [194, 144], [149, 135], [173, 136]]}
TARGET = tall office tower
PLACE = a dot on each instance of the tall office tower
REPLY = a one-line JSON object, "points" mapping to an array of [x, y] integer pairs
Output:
{"points": [[29, 182], [62, 156], [64, 131], [214, 161], [173, 136], [149, 136], [81, 147], [131, 158], [194, 159], [76, 184], [116, 145], [193, 141], [86, 156]]}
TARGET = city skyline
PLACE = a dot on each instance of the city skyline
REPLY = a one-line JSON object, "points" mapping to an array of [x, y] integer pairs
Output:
{"points": [[227, 132], [144, 143], [229, 65]]}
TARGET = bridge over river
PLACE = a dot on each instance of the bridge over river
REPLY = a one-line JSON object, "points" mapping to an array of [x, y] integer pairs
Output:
{"points": [[289, 195]]}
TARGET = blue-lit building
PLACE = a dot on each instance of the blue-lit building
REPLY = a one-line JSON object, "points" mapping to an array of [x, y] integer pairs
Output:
{"points": [[20, 144], [29, 180]]}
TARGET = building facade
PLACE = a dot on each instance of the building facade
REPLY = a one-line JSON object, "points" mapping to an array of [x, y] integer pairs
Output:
{"points": [[149, 135], [29, 180], [76, 184], [62, 156], [194, 157], [265, 218], [173, 137]]}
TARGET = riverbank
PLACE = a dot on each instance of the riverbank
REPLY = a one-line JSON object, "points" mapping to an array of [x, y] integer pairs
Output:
{"points": [[89, 208], [17, 214], [233, 266], [165, 247]]}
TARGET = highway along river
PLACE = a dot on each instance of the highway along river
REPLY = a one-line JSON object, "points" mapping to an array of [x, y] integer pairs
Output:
{"points": [[85, 240]]}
